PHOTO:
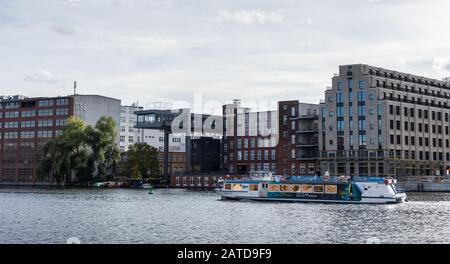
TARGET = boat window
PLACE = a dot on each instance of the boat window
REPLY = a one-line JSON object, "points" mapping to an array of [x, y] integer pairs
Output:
{"points": [[274, 188], [227, 186], [331, 189], [318, 188], [307, 188], [236, 187], [253, 187], [284, 188], [295, 188]]}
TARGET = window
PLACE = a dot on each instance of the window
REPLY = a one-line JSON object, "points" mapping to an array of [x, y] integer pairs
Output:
{"points": [[61, 111], [63, 101], [11, 114], [60, 122], [340, 86], [43, 103], [362, 140], [28, 124], [339, 97], [361, 96], [45, 112], [11, 124], [45, 134], [361, 125], [130, 139], [10, 135], [340, 111], [45, 123], [29, 113], [362, 85], [27, 134], [122, 138], [361, 110]]}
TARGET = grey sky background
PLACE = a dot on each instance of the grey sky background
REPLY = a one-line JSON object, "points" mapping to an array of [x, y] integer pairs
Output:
{"points": [[167, 50]]}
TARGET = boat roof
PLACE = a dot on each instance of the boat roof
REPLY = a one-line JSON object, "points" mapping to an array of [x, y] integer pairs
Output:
{"points": [[313, 179]]}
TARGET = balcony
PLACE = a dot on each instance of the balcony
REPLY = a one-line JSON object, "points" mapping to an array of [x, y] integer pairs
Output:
{"points": [[311, 116], [307, 145], [307, 131], [307, 158]]}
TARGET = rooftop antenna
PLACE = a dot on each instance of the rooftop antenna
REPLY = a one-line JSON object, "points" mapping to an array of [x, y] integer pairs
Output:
{"points": [[75, 87]]}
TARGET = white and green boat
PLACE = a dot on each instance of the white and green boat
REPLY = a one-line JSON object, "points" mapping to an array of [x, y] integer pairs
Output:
{"points": [[265, 187]]}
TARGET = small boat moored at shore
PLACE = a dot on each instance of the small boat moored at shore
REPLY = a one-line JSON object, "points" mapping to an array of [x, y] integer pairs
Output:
{"points": [[368, 190]]}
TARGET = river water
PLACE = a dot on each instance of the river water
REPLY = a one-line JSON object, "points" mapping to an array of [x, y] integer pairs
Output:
{"points": [[33, 215]]}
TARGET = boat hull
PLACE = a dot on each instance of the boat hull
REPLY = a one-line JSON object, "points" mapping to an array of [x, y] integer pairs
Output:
{"points": [[368, 200]]}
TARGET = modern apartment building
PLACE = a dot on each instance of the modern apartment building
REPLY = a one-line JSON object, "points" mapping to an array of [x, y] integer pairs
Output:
{"points": [[128, 134], [26, 124], [283, 141], [381, 122]]}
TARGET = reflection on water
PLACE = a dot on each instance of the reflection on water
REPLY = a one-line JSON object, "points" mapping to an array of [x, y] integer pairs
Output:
{"points": [[179, 216]]}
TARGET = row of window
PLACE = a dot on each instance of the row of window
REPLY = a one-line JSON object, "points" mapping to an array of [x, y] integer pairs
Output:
{"points": [[32, 123], [31, 134], [40, 103], [405, 78], [250, 155], [22, 145], [411, 126], [251, 143], [32, 113], [421, 113], [130, 139], [10, 174], [411, 140], [256, 167], [198, 181], [130, 129]]}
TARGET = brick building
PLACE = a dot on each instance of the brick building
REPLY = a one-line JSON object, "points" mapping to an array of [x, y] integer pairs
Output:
{"points": [[26, 124], [284, 141]]}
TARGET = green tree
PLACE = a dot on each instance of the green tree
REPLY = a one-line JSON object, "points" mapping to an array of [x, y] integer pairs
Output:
{"points": [[142, 161], [81, 150], [65, 154], [102, 141]]}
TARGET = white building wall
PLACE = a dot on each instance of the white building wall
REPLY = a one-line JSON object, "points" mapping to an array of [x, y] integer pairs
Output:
{"points": [[128, 134], [155, 138]]}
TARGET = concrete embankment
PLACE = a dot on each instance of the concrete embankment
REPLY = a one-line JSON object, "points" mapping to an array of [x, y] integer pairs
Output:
{"points": [[425, 186]]}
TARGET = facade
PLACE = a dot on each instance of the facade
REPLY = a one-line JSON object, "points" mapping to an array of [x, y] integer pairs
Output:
{"points": [[128, 135], [155, 138], [191, 136], [177, 162], [249, 139], [284, 141], [298, 146], [381, 122], [26, 124]]}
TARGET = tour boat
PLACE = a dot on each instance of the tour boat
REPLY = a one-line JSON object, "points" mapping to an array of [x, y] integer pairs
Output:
{"points": [[326, 189]]}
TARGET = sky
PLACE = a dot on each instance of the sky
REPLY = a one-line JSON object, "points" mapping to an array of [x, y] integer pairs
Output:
{"points": [[149, 51]]}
